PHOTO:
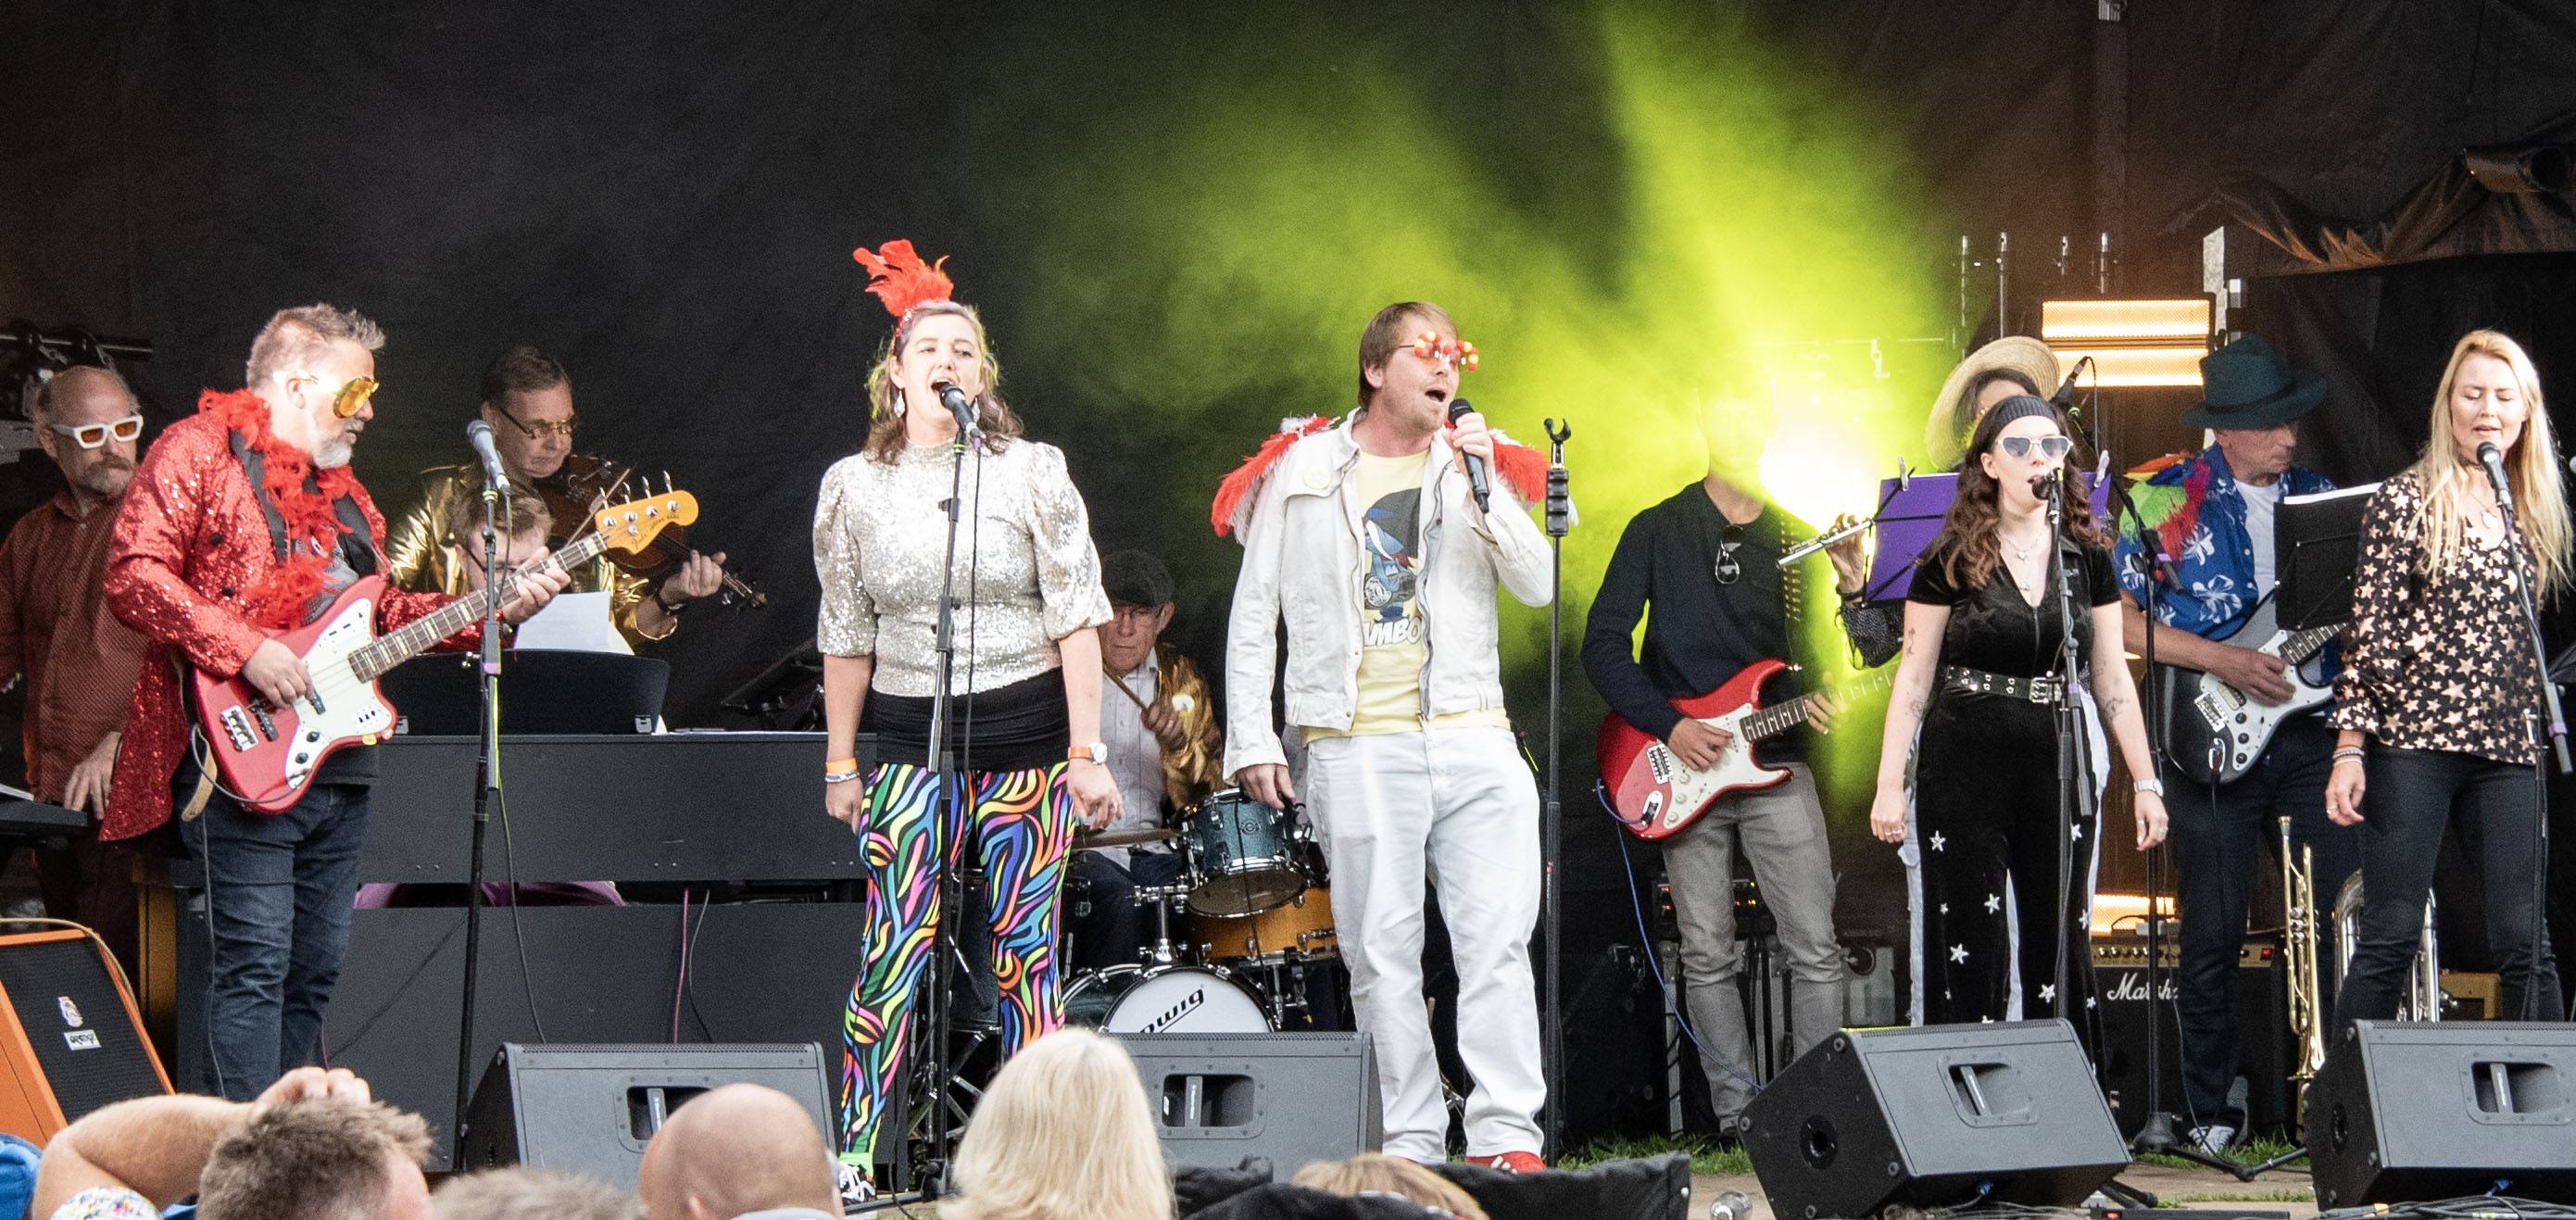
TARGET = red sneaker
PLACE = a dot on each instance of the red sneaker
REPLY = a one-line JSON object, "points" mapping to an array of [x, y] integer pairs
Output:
{"points": [[1511, 1162]]}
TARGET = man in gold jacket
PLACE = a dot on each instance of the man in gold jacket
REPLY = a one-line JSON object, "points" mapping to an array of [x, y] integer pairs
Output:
{"points": [[437, 547], [1162, 732]]}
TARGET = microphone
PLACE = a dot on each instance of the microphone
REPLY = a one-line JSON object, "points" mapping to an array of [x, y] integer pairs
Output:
{"points": [[2065, 395], [2493, 459], [958, 405], [479, 435], [1476, 484]]}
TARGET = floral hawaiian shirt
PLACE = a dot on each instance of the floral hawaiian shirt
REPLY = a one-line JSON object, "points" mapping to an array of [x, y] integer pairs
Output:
{"points": [[2196, 507]]}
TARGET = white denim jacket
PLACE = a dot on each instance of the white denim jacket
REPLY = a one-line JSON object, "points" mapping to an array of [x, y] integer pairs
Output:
{"points": [[1302, 561]]}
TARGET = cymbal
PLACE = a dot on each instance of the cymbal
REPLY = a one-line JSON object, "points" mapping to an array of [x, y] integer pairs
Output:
{"points": [[1094, 840]]}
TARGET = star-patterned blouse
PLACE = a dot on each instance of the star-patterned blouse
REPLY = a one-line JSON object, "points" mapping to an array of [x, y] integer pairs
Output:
{"points": [[2436, 661]]}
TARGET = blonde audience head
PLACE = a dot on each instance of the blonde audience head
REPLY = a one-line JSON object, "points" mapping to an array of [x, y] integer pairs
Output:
{"points": [[1065, 1133]]}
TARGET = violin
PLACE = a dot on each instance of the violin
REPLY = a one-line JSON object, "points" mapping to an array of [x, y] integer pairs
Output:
{"points": [[585, 484]]}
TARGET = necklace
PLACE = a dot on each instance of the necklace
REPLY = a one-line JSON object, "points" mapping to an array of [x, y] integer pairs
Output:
{"points": [[2019, 550]]}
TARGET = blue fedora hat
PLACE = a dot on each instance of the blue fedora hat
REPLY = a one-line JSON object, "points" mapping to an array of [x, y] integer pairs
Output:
{"points": [[2245, 385]]}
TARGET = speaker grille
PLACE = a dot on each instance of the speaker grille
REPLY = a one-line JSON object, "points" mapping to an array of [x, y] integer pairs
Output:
{"points": [[77, 1025]]}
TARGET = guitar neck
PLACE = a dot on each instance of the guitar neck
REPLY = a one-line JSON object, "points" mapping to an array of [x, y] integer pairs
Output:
{"points": [[424, 633], [2299, 648], [1780, 718]]}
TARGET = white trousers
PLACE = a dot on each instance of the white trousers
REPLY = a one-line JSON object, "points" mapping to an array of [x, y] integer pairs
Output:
{"points": [[1460, 807]]}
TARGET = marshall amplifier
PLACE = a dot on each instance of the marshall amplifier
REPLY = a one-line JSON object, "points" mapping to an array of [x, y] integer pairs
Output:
{"points": [[2264, 1055]]}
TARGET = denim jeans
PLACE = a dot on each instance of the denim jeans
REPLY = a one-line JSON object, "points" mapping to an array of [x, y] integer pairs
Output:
{"points": [[2216, 841], [2410, 796], [279, 888]]}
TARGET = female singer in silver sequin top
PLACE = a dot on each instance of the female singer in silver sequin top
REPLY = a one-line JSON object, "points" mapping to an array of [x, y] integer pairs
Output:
{"points": [[1026, 689]]}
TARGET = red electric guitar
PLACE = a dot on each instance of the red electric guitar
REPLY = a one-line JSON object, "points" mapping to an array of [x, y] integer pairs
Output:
{"points": [[1655, 796], [264, 753]]}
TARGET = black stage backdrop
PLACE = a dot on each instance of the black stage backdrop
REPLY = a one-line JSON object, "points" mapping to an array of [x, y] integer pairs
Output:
{"points": [[664, 195]]}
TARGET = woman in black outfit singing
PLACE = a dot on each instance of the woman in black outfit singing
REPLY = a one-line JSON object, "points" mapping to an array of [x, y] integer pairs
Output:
{"points": [[1978, 677], [2439, 681]]}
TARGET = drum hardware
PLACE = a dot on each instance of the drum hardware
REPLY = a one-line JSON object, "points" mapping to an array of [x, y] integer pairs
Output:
{"points": [[1161, 898]]}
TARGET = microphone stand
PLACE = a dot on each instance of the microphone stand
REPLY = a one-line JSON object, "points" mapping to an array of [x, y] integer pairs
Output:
{"points": [[943, 810], [1560, 514], [487, 768], [2539, 775], [2156, 1134], [2073, 786]]}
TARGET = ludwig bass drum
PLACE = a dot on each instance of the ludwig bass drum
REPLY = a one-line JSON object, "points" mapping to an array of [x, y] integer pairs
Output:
{"points": [[1164, 1000]]}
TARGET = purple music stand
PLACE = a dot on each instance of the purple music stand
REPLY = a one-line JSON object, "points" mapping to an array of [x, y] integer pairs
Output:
{"points": [[1909, 518]]}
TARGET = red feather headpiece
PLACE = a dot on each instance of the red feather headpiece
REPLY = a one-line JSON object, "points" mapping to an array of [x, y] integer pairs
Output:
{"points": [[901, 279]]}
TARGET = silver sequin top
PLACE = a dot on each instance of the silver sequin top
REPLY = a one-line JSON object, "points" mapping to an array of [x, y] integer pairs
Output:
{"points": [[878, 537]]}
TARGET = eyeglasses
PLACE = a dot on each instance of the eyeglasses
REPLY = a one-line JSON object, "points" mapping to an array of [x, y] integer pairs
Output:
{"points": [[348, 400], [544, 427], [1432, 348], [91, 436], [1728, 569], [2050, 447]]}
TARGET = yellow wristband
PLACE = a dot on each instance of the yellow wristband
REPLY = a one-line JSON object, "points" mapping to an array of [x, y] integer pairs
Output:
{"points": [[838, 765]]}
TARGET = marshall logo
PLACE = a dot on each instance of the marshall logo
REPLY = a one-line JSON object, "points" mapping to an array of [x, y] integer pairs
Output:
{"points": [[2132, 987], [1195, 1000], [71, 1011]]}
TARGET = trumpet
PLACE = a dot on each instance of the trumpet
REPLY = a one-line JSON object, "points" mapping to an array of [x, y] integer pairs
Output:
{"points": [[2299, 961]]}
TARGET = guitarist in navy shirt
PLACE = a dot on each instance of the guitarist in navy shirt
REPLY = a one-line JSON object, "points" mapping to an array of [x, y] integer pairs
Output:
{"points": [[1707, 560], [2214, 513]]}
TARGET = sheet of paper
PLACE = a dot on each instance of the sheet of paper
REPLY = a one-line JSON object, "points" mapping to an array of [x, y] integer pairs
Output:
{"points": [[573, 622]]}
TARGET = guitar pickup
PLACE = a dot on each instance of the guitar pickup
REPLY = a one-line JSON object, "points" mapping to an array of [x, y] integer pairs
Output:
{"points": [[237, 727], [267, 723], [315, 699], [2213, 710]]}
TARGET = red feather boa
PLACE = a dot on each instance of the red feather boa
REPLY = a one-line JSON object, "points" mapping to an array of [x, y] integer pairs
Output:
{"points": [[1522, 467], [279, 601]]}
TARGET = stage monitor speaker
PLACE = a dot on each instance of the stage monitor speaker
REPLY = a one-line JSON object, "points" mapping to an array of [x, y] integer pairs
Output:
{"points": [[1293, 1098], [590, 1109], [73, 1041], [2408, 1111], [1938, 1117]]}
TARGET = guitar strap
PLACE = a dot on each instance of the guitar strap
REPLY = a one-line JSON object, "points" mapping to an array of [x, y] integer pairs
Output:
{"points": [[356, 548]]}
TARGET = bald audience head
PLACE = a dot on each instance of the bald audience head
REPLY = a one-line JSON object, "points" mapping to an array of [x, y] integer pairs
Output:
{"points": [[736, 1150]]}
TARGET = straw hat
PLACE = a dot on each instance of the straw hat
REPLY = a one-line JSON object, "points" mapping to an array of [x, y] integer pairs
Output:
{"points": [[1953, 416]]}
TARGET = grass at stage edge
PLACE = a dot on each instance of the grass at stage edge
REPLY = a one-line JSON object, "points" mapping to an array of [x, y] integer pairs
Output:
{"points": [[2252, 1152], [1705, 1156]]}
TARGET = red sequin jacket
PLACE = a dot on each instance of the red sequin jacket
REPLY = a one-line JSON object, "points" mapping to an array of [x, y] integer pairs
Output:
{"points": [[190, 543]]}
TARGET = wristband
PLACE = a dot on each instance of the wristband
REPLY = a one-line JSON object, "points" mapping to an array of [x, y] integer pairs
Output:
{"points": [[839, 777], [841, 764]]}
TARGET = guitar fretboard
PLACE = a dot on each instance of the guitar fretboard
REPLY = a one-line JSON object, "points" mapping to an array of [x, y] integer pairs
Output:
{"points": [[2299, 648], [1780, 718], [372, 660]]}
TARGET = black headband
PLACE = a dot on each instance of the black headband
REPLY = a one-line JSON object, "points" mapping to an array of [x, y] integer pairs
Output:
{"points": [[2019, 406]]}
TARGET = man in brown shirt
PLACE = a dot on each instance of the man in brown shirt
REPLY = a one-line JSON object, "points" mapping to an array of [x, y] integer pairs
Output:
{"points": [[78, 660]]}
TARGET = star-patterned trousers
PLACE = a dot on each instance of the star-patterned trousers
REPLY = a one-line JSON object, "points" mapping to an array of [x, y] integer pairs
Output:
{"points": [[1986, 823], [1018, 825]]}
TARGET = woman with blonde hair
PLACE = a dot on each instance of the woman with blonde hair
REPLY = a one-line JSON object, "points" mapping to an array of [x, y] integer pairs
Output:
{"points": [[2437, 703], [1064, 1133], [1373, 1173]]}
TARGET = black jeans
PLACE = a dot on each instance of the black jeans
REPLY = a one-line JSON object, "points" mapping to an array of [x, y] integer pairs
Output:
{"points": [[1113, 932], [2216, 841], [2410, 797]]}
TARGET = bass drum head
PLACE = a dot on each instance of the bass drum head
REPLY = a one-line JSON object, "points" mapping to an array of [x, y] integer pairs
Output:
{"points": [[1164, 1000]]}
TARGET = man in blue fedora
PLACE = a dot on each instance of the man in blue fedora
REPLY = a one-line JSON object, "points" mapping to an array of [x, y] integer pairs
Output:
{"points": [[2214, 514]]}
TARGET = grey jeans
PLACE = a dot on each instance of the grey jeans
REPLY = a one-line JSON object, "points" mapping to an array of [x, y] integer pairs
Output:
{"points": [[1782, 831]]}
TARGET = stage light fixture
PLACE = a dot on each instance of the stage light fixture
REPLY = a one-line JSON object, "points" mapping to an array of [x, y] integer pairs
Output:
{"points": [[2132, 342]]}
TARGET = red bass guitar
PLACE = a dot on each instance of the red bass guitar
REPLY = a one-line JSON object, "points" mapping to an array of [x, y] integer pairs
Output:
{"points": [[264, 753], [1655, 796]]}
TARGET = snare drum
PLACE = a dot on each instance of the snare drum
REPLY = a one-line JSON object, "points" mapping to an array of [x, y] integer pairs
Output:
{"points": [[1246, 855], [1302, 929], [1164, 1000]]}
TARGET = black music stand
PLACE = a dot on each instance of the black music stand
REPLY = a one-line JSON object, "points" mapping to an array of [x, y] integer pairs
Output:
{"points": [[542, 691], [2318, 540]]}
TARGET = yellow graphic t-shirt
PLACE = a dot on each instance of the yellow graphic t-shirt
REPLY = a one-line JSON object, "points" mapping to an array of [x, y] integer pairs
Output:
{"points": [[1392, 651]]}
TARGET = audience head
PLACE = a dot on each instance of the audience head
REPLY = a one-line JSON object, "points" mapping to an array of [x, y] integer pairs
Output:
{"points": [[735, 1149], [517, 1193], [1065, 1132], [319, 1160], [1372, 1173]]}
